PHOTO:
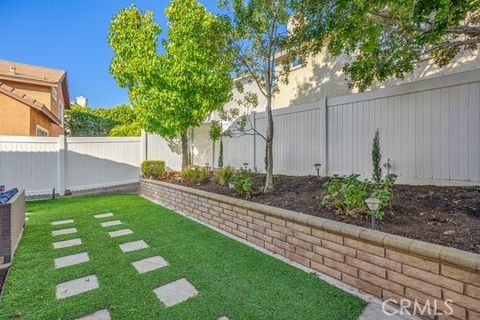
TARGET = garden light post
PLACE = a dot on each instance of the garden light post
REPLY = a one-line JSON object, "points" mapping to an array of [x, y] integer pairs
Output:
{"points": [[372, 204], [245, 165], [207, 165], [317, 167]]}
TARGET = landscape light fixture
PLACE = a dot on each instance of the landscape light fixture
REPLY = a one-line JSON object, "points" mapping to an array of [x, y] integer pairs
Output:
{"points": [[388, 165], [373, 204], [245, 165], [207, 164], [317, 167]]}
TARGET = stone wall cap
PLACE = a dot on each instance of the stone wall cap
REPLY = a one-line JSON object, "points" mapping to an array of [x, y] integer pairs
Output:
{"points": [[424, 249]]}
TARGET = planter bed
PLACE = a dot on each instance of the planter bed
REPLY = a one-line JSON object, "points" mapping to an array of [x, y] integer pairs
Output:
{"points": [[387, 266], [448, 216]]}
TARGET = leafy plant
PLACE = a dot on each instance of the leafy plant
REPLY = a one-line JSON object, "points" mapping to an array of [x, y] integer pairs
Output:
{"points": [[153, 169], [222, 176], [242, 182], [125, 130], [376, 158], [347, 195], [195, 175]]}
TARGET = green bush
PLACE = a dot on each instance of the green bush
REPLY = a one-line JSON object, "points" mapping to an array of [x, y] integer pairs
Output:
{"points": [[347, 195], [195, 175], [126, 130], [154, 169], [223, 175], [242, 182]]}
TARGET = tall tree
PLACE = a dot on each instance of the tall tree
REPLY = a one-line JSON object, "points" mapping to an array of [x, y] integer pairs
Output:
{"points": [[259, 30], [387, 38], [179, 89]]}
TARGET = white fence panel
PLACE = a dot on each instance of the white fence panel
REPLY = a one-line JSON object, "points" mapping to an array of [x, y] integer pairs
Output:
{"points": [[102, 162], [29, 163], [428, 133]]}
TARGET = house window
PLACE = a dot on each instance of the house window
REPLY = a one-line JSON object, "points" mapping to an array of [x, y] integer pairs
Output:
{"points": [[297, 63], [41, 132]]}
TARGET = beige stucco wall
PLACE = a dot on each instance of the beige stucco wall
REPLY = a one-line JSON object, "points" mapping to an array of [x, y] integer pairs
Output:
{"points": [[14, 117], [41, 93], [323, 75]]}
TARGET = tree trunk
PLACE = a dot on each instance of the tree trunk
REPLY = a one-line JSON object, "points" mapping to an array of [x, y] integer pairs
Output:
{"points": [[184, 150], [269, 147]]}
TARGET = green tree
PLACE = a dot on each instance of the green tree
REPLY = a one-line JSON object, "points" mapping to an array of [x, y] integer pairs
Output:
{"points": [[87, 122], [376, 158], [259, 30], [179, 89], [386, 38]]}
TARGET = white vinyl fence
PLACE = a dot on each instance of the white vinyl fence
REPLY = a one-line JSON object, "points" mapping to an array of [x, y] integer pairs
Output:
{"points": [[40, 164], [430, 130]]}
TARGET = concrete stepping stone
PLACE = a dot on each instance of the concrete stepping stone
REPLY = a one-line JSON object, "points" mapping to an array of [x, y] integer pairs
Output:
{"points": [[149, 264], [76, 287], [175, 292], [64, 231], [60, 222], [103, 314], [110, 223], [67, 243], [71, 260], [103, 215], [223, 318], [133, 246], [119, 233]]}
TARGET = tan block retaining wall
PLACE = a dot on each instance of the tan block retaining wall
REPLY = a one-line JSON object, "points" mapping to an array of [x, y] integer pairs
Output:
{"points": [[381, 264]]}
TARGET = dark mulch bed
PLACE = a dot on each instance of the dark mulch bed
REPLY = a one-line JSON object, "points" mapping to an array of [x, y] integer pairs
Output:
{"points": [[448, 216]]}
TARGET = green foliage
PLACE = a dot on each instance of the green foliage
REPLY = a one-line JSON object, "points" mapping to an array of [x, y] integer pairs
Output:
{"points": [[242, 182], [179, 89], [126, 130], [88, 122], [153, 169], [347, 195], [215, 131], [222, 176], [386, 38], [195, 175], [376, 158]]}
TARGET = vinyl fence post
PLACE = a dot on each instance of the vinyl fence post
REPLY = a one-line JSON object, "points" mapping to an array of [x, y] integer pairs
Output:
{"points": [[254, 141], [324, 135], [62, 164], [144, 146]]}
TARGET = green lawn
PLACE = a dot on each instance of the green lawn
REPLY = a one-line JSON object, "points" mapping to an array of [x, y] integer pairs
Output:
{"points": [[233, 279]]}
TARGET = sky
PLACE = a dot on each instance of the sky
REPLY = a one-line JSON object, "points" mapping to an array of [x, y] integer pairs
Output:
{"points": [[72, 35]]}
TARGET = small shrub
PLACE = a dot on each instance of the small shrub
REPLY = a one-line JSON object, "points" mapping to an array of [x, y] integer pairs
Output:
{"points": [[195, 175], [376, 158], [223, 175], [242, 182], [153, 169], [347, 195]]}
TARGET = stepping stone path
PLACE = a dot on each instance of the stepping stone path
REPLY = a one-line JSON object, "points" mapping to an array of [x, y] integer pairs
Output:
{"points": [[103, 215], [175, 292], [118, 233], [77, 286], [150, 264], [111, 223], [64, 231], [71, 260], [170, 294], [57, 223], [99, 315], [133, 246], [67, 243], [223, 318]]}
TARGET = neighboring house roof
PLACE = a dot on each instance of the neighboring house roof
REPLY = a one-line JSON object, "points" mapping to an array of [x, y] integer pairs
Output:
{"points": [[21, 72], [22, 97]]}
